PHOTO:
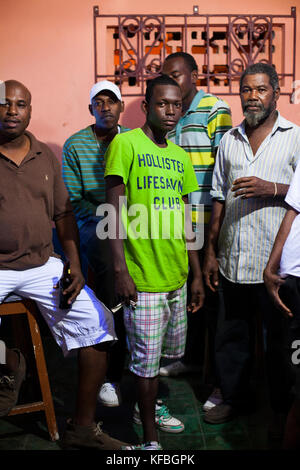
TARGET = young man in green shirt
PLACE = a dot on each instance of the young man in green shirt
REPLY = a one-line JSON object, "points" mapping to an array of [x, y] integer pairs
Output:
{"points": [[205, 119], [151, 261]]}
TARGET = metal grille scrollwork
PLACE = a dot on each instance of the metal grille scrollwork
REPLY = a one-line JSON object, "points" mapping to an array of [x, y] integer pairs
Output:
{"points": [[129, 49]]}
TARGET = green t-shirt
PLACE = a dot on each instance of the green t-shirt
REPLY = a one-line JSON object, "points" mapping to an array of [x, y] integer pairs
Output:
{"points": [[155, 180]]}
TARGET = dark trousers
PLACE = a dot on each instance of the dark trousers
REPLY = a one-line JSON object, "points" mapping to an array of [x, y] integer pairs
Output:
{"points": [[290, 295], [234, 344], [198, 322]]}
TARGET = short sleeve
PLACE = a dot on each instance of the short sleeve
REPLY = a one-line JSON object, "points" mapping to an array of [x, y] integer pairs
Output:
{"points": [[293, 195], [119, 157], [62, 203], [218, 182], [219, 122]]}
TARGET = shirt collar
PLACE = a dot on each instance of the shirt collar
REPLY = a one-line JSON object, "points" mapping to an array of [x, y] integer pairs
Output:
{"points": [[35, 147], [194, 104]]}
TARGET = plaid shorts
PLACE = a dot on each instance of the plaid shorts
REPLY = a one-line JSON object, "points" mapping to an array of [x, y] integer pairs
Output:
{"points": [[155, 328]]}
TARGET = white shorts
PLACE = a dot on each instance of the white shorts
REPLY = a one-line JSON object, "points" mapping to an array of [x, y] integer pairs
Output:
{"points": [[88, 321]]}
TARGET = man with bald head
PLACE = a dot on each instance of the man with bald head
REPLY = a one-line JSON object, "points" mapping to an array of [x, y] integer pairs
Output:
{"points": [[13, 125], [33, 195]]}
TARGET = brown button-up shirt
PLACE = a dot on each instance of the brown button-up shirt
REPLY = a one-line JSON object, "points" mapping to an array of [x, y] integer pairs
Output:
{"points": [[32, 196]]}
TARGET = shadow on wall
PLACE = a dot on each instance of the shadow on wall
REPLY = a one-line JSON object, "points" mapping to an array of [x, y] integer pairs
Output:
{"points": [[56, 149], [133, 115]]}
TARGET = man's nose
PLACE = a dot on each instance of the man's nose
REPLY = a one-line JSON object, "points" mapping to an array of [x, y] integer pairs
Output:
{"points": [[105, 106], [253, 94], [170, 109], [12, 109]]}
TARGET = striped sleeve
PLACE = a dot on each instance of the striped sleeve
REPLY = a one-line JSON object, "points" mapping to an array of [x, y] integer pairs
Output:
{"points": [[219, 122], [73, 181]]}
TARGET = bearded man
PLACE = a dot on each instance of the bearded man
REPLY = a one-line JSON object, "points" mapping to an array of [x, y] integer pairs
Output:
{"points": [[254, 167]]}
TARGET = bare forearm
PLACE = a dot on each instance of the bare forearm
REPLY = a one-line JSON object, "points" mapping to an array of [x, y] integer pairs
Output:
{"points": [[272, 279], [216, 220], [114, 191], [280, 190], [191, 239], [68, 236], [252, 186], [194, 263], [124, 285]]}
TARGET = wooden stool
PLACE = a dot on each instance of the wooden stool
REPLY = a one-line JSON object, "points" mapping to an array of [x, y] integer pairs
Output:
{"points": [[14, 305]]}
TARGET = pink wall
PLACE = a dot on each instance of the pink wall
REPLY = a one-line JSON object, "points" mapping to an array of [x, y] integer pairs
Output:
{"points": [[48, 45]]}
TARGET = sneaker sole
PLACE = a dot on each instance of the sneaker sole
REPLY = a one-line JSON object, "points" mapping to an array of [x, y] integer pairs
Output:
{"points": [[161, 428], [169, 430]]}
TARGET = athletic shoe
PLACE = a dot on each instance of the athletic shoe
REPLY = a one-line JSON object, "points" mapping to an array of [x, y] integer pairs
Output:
{"points": [[109, 394], [214, 399], [152, 445], [10, 385], [219, 414], [177, 368], [89, 437], [164, 421]]}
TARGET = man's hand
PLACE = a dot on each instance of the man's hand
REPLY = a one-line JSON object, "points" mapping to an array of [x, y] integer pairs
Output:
{"points": [[76, 285], [211, 271], [68, 236], [197, 295], [251, 186], [273, 283], [125, 287]]}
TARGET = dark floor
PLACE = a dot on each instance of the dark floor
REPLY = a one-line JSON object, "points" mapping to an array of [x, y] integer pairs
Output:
{"points": [[184, 396]]}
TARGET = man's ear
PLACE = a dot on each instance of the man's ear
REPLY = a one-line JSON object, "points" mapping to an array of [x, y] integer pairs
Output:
{"points": [[277, 93], [144, 107], [194, 77], [122, 106], [91, 109]]}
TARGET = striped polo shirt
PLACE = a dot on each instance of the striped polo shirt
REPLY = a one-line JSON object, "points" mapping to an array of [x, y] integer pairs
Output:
{"points": [[199, 133], [250, 225], [83, 172]]}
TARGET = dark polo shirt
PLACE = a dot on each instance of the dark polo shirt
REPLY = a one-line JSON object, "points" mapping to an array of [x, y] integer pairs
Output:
{"points": [[31, 197]]}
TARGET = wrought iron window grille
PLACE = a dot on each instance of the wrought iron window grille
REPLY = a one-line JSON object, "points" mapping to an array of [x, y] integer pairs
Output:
{"points": [[130, 49]]}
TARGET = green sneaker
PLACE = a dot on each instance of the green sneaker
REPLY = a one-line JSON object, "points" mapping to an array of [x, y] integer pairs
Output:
{"points": [[152, 445], [164, 421]]}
